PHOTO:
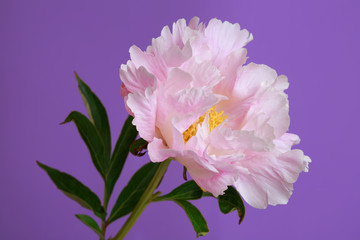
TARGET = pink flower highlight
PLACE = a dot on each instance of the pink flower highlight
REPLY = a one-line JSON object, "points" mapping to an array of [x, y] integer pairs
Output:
{"points": [[193, 99]]}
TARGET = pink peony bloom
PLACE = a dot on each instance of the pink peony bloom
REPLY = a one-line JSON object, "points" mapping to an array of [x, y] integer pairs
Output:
{"points": [[193, 99]]}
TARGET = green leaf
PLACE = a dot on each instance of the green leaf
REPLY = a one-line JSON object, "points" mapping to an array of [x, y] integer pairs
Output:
{"points": [[88, 221], [208, 194], [92, 139], [137, 147], [75, 190], [131, 194], [231, 201], [121, 151], [187, 191], [195, 216], [98, 116]]}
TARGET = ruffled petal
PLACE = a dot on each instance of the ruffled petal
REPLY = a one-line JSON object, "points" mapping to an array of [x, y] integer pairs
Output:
{"points": [[286, 141], [144, 108], [204, 174], [290, 164], [152, 63], [189, 105], [205, 74], [176, 81], [124, 93], [196, 25], [229, 68], [178, 29], [158, 152], [224, 37], [270, 179], [257, 93], [136, 79], [253, 80], [226, 139], [171, 50]]}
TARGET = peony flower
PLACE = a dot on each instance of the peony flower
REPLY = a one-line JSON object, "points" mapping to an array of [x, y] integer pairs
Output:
{"points": [[194, 100]]}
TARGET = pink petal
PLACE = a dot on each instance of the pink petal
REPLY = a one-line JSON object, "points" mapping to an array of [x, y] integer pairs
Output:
{"points": [[267, 107], [136, 79], [291, 163], [286, 141], [270, 179], [144, 108], [158, 152], [124, 93], [153, 64], [189, 105], [177, 80], [224, 37], [282, 83], [225, 138], [178, 29], [252, 80], [229, 68], [195, 24], [205, 74]]}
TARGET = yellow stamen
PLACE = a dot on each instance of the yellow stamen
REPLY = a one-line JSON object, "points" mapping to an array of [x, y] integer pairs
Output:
{"points": [[215, 119]]}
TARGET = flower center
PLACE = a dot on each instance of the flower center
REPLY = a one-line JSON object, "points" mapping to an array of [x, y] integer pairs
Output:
{"points": [[215, 119]]}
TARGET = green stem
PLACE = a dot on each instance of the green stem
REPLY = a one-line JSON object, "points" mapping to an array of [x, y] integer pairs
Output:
{"points": [[144, 201], [104, 223]]}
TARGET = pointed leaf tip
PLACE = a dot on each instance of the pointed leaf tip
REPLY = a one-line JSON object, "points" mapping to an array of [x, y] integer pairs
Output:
{"points": [[92, 139], [200, 234], [67, 120], [231, 201], [75, 190], [98, 116], [197, 220]]}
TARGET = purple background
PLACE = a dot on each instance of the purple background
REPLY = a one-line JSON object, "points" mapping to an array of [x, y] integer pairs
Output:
{"points": [[314, 43]]}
